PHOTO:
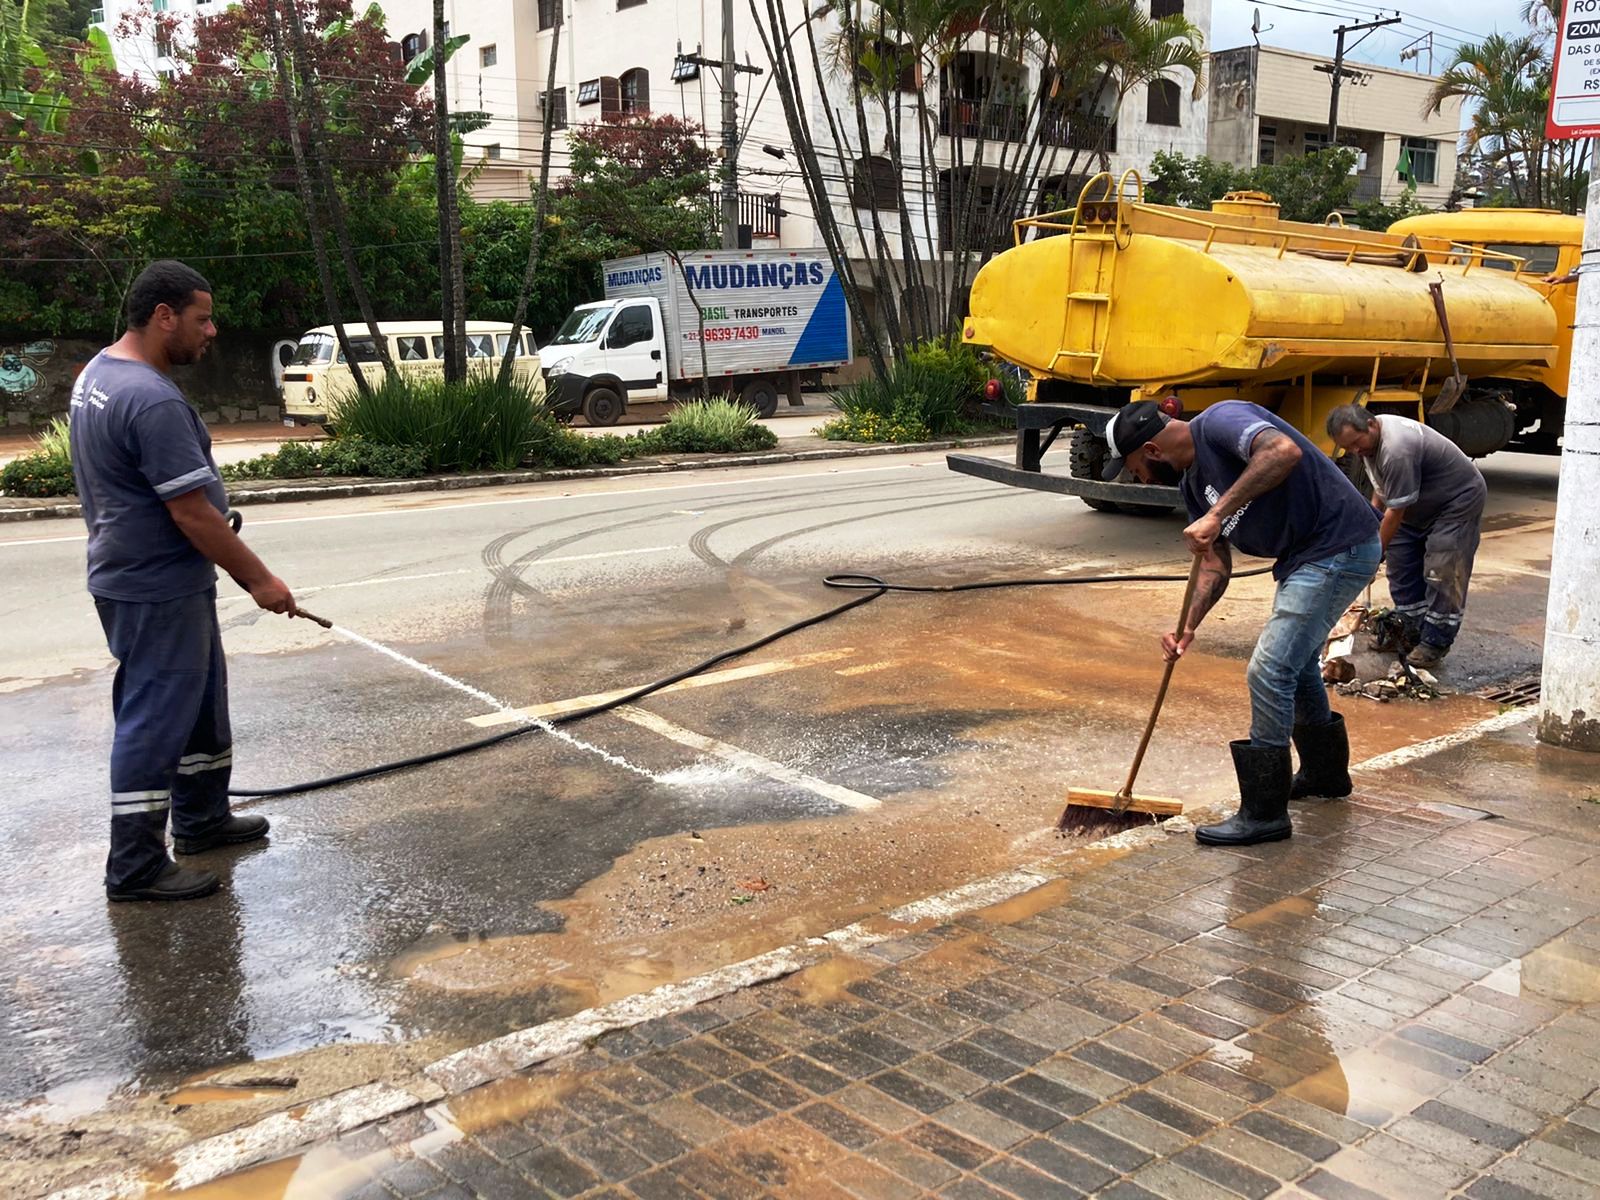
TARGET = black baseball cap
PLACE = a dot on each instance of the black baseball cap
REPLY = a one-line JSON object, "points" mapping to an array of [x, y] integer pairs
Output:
{"points": [[1131, 427]]}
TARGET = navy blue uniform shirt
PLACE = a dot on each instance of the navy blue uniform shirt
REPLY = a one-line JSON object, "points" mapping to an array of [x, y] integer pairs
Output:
{"points": [[1313, 514], [136, 444]]}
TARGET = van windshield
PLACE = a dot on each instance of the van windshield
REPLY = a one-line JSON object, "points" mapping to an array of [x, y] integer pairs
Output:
{"points": [[583, 325], [313, 348]]}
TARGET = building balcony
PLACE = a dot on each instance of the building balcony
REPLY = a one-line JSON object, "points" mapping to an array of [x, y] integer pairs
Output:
{"points": [[962, 117], [1079, 131], [759, 210]]}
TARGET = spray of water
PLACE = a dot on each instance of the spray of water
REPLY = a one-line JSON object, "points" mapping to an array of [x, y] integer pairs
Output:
{"points": [[494, 702]]}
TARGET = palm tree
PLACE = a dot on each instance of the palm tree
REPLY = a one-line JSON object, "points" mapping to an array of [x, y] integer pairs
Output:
{"points": [[317, 128], [308, 199], [540, 208], [452, 278], [1090, 52], [1506, 79]]}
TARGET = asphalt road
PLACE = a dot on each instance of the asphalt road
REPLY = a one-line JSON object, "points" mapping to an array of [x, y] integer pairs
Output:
{"points": [[888, 754]]}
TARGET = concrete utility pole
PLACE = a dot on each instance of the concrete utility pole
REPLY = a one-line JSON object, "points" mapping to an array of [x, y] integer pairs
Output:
{"points": [[730, 134], [1338, 68], [1569, 702], [729, 71]]}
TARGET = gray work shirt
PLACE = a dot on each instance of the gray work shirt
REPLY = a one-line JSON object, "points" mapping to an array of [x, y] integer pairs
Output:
{"points": [[136, 444], [1420, 470]]}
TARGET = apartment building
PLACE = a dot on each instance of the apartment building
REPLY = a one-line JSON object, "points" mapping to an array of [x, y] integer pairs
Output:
{"points": [[142, 47], [1267, 104], [626, 56]]}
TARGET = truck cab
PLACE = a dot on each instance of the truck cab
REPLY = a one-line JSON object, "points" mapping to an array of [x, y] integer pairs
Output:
{"points": [[607, 355]]}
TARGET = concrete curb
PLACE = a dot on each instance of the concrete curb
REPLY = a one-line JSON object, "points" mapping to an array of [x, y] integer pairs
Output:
{"points": [[274, 1136], [22, 511]]}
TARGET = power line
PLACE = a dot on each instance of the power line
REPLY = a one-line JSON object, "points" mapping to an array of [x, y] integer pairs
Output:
{"points": [[216, 257]]}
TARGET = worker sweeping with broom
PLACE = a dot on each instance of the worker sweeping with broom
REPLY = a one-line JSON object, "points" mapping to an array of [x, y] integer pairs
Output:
{"points": [[1251, 481]]}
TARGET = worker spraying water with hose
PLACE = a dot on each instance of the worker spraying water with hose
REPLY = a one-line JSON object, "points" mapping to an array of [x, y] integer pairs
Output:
{"points": [[1249, 480], [157, 517]]}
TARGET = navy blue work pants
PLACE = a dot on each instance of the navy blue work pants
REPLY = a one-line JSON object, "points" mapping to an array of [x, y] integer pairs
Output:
{"points": [[1429, 570], [173, 749]]}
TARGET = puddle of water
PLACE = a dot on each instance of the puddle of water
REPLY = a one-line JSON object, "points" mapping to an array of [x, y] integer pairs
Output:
{"points": [[508, 1100], [1029, 904], [1560, 971], [1367, 1086], [1290, 908], [322, 1173], [432, 948], [826, 981], [218, 1093]]}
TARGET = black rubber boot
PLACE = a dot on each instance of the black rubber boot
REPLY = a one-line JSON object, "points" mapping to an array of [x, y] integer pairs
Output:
{"points": [[174, 883], [1324, 761], [228, 833], [1263, 814]]}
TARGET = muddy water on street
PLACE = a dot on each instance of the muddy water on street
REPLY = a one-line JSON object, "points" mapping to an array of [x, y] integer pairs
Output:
{"points": [[968, 716]]}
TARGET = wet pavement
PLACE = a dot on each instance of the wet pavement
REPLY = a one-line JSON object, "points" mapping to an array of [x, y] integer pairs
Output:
{"points": [[899, 751], [1400, 1002]]}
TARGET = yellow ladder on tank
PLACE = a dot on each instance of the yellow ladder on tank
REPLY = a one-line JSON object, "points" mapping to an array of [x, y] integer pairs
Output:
{"points": [[1103, 271], [1098, 302]]}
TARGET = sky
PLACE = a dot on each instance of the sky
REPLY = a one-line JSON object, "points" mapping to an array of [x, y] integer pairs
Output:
{"points": [[1451, 23]]}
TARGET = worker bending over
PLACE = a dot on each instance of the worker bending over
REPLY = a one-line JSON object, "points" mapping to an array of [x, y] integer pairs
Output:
{"points": [[1431, 497], [1249, 480]]}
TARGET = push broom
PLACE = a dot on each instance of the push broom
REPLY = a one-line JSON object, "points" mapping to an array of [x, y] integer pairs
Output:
{"points": [[1088, 809]]}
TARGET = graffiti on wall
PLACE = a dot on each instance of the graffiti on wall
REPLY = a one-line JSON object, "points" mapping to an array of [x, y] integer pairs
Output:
{"points": [[17, 375]]}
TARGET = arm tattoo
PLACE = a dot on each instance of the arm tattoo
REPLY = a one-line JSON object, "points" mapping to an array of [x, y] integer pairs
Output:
{"points": [[1273, 456], [1215, 571]]}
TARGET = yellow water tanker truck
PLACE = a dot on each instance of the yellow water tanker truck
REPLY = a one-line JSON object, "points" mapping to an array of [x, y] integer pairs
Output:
{"points": [[1445, 317]]}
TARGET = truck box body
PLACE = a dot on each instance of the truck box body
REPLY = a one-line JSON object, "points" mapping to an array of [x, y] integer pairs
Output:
{"points": [[766, 311]]}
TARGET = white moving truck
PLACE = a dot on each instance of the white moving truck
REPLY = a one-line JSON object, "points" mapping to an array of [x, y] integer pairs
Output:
{"points": [[772, 318]]}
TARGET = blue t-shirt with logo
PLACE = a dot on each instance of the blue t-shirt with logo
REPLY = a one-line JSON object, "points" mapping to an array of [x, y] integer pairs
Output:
{"points": [[1313, 514], [136, 443]]}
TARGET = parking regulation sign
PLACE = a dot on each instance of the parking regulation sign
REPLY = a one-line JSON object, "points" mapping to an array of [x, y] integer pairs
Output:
{"points": [[1575, 90]]}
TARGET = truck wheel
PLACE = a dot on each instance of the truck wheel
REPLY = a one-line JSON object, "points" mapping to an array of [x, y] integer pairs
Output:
{"points": [[760, 395], [1087, 461], [602, 406], [1088, 456]]}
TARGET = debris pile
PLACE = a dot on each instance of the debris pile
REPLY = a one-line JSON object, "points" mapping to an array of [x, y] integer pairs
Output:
{"points": [[1385, 674]]}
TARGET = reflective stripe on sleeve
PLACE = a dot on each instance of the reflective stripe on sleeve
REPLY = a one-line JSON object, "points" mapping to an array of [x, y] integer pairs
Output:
{"points": [[182, 482]]}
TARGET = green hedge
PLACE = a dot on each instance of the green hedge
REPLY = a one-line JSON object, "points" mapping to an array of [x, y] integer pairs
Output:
{"points": [[932, 390], [44, 471]]}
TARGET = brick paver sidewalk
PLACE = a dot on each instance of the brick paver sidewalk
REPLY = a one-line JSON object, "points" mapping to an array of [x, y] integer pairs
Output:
{"points": [[1387, 1006]]}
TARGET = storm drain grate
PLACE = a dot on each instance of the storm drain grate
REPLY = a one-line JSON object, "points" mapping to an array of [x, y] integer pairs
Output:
{"points": [[1514, 695]]}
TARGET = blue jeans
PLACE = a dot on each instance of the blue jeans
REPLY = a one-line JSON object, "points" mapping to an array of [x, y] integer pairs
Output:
{"points": [[1285, 673], [173, 749]]}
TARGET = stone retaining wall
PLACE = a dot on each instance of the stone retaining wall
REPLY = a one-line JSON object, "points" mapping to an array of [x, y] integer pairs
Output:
{"points": [[233, 382]]}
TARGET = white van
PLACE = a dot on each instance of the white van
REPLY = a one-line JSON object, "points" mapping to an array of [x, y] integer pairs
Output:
{"points": [[318, 376]]}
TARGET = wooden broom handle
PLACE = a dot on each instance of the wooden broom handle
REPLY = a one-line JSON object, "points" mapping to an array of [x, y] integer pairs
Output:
{"points": [[1166, 678]]}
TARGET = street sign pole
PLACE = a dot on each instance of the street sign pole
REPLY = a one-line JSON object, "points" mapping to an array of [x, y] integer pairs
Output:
{"points": [[1569, 705]]}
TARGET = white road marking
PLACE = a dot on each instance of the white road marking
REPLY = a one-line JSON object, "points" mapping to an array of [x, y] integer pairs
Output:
{"points": [[1406, 754], [866, 668], [566, 558], [556, 708], [748, 760], [493, 702]]}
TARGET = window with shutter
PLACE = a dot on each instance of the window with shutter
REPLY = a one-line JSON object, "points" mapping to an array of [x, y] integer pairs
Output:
{"points": [[1165, 103]]}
